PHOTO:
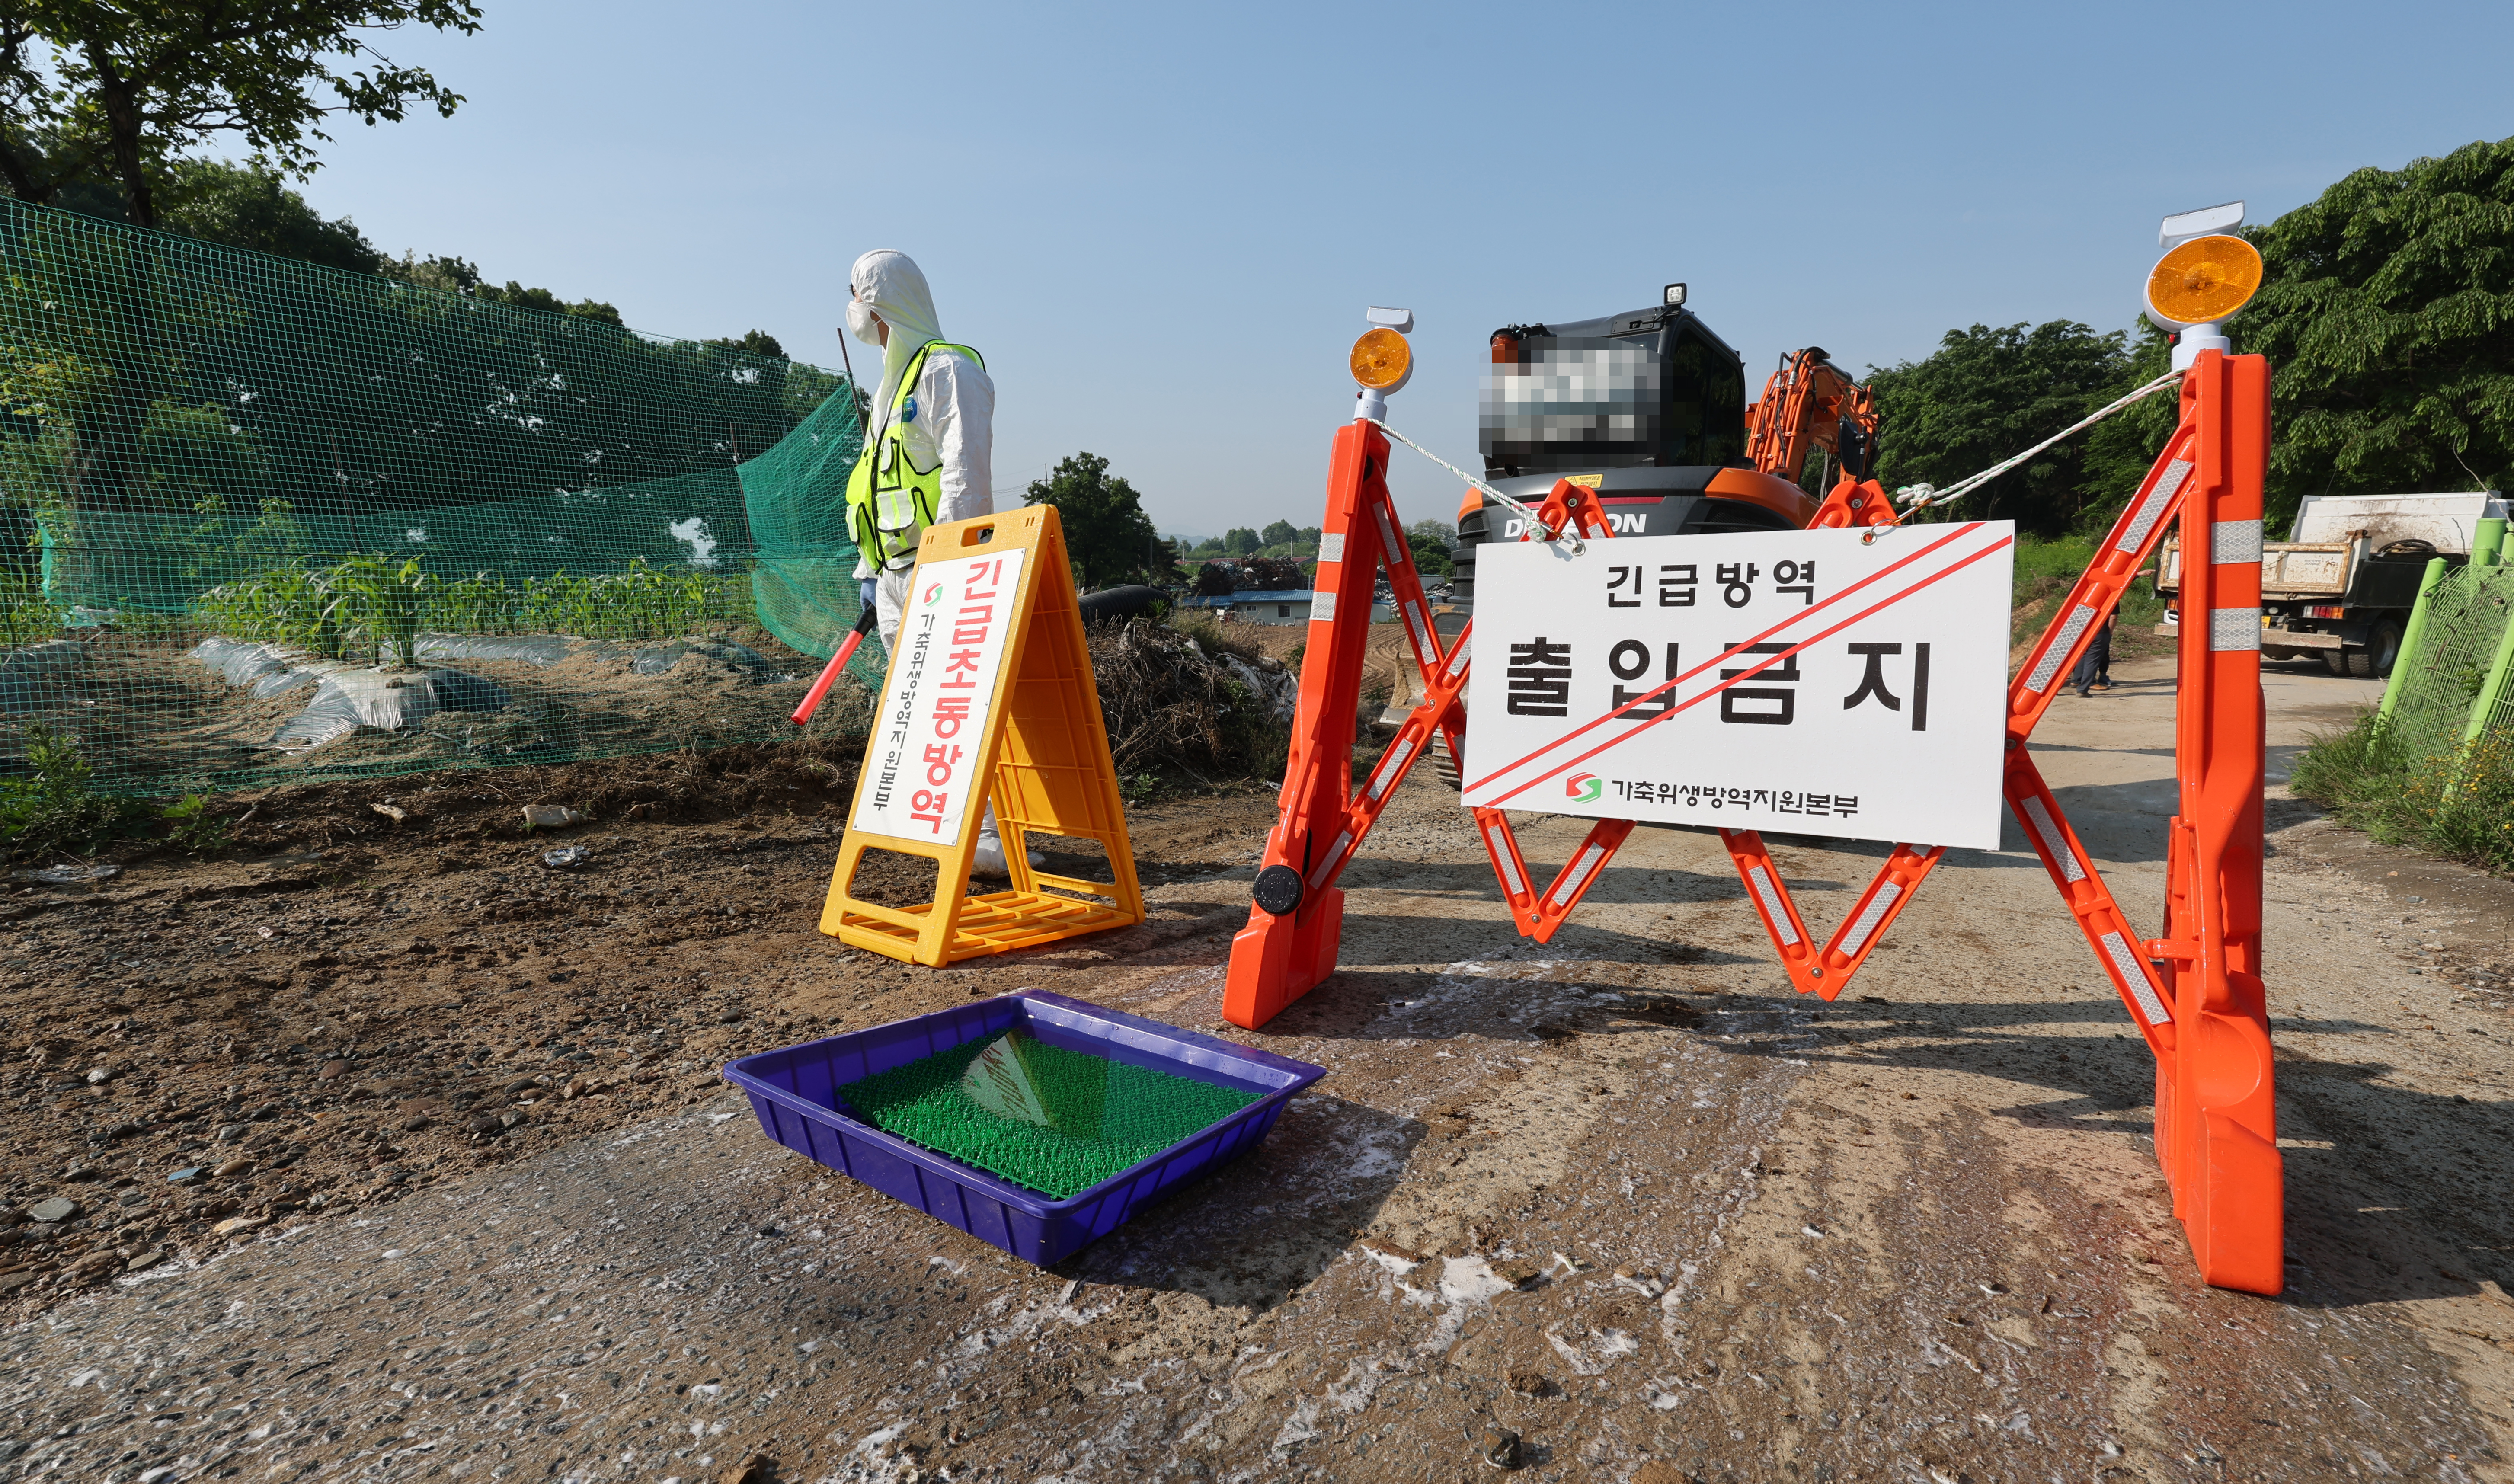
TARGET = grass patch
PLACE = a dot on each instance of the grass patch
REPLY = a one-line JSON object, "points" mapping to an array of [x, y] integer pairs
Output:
{"points": [[2046, 570], [51, 810], [2457, 804]]}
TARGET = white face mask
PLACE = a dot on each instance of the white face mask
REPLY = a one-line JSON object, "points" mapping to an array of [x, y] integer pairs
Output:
{"points": [[861, 322]]}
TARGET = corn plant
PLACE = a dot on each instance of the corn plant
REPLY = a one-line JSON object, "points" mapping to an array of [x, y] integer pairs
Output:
{"points": [[378, 602], [386, 604], [291, 604], [479, 604], [642, 602]]}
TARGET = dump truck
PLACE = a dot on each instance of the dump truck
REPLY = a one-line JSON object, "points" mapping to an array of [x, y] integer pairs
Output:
{"points": [[2340, 587]]}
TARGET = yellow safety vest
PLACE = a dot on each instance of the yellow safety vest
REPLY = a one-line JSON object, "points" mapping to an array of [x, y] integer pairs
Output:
{"points": [[890, 501]]}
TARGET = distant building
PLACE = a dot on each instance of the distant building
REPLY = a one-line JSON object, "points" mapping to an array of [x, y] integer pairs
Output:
{"points": [[1289, 605]]}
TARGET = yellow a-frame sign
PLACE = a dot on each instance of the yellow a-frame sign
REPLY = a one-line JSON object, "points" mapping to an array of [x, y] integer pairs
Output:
{"points": [[990, 698]]}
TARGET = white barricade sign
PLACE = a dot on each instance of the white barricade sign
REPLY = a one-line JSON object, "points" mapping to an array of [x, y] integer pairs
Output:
{"points": [[935, 705], [1804, 681]]}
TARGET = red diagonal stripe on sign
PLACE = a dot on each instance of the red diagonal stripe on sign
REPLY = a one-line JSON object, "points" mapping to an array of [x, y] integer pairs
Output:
{"points": [[1739, 679], [1643, 698]]}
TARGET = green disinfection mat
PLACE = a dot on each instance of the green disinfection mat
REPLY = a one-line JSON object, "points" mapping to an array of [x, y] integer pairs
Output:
{"points": [[1046, 1117], [804, 1097]]}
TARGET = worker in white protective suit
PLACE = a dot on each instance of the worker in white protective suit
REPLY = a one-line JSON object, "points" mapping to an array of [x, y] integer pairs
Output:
{"points": [[928, 450]]}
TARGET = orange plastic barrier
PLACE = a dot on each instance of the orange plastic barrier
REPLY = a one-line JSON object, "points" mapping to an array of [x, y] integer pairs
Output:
{"points": [[2195, 991], [1297, 917], [1041, 755]]}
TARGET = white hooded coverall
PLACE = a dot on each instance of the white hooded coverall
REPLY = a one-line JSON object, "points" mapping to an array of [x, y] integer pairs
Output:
{"points": [[955, 423], [956, 406]]}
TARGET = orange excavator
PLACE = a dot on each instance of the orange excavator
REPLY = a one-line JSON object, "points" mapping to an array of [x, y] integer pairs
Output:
{"points": [[1810, 404], [1648, 407]]}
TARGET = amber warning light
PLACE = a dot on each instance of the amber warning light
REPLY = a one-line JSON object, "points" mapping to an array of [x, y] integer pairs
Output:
{"points": [[1382, 360], [2202, 281]]}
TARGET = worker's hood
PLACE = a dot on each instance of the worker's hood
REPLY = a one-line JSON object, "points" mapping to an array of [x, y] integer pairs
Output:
{"points": [[893, 286]]}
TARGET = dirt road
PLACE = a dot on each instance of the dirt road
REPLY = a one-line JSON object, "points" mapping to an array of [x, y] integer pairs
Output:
{"points": [[1622, 1197]]}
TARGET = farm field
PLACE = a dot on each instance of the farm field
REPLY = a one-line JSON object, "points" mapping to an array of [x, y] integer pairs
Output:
{"points": [[182, 713]]}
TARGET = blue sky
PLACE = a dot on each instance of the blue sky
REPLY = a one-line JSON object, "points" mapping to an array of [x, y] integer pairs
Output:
{"points": [[1161, 224]]}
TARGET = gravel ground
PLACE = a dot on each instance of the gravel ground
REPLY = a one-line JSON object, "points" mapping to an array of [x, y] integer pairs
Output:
{"points": [[1616, 1208]]}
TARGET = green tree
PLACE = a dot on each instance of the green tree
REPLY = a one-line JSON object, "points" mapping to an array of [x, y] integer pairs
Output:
{"points": [[89, 87], [1986, 394], [2386, 311], [250, 206], [2387, 314], [246, 205], [1282, 533], [453, 275], [2121, 449], [456, 275], [1434, 546], [1107, 533], [1239, 540], [543, 298], [759, 342], [1211, 546]]}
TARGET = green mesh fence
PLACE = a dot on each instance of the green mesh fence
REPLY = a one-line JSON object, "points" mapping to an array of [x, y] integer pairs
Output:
{"points": [[2435, 689], [805, 582], [262, 521]]}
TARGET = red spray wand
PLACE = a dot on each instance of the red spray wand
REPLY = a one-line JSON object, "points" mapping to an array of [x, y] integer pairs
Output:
{"points": [[865, 624]]}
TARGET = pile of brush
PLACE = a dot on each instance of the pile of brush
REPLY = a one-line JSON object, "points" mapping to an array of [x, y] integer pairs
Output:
{"points": [[1187, 700]]}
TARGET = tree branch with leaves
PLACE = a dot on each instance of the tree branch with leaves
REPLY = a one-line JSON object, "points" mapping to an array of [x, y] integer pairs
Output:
{"points": [[121, 89]]}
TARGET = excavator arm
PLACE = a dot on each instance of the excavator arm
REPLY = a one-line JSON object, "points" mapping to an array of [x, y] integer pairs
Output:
{"points": [[1811, 403]]}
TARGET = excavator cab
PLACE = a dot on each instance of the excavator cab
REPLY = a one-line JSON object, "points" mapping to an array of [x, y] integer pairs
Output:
{"points": [[1647, 408]]}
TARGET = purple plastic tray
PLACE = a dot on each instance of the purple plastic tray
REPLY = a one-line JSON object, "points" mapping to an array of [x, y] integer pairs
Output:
{"points": [[794, 1093]]}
